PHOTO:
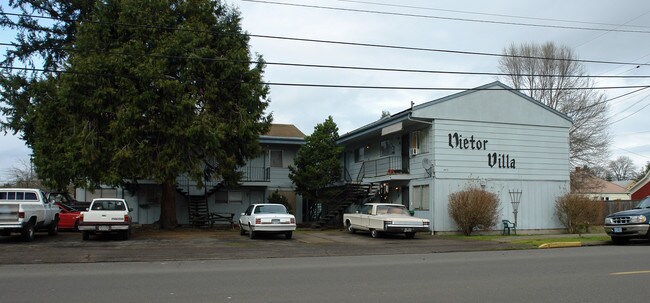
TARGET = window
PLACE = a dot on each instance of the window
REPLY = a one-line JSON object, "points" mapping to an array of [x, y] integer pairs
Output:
{"points": [[32, 197], [276, 158], [358, 154], [386, 148], [419, 140], [421, 197], [235, 197]]}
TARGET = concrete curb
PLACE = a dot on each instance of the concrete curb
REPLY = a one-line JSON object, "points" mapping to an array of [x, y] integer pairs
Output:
{"points": [[560, 244]]}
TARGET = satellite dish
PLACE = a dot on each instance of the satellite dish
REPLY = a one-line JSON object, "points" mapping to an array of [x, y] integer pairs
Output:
{"points": [[428, 166]]}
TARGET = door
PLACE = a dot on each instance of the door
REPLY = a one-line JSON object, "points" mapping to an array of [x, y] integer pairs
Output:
{"points": [[405, 153]]}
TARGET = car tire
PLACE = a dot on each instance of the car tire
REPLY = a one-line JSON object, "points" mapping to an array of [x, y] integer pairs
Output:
{"points": [[288, 235], [410, 235], [85, 235], [375, 233], [28, 232], [53, 229], [76, 225], [251, 232], [620, 240], [350, 228], [241, 230]]}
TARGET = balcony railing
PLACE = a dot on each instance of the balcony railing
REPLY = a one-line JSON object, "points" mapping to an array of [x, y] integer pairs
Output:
{"points": [[255, 174], [381, 167]]}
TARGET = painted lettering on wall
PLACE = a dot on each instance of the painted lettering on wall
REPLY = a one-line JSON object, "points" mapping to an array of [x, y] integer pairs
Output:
{"points": [[497, 160]]}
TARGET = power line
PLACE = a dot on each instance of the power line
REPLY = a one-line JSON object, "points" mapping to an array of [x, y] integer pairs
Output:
{"points": [[491, 14], [337, 85], [347, 67], [631, 152], [635, 112], [309, 40], [450, 18]]}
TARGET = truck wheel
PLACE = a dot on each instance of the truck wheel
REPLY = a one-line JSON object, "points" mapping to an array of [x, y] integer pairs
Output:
{"points": [[28, 232], [125, 235], [410, 235], [374, 233], [350, 228], [85, 235], [53, 229], [288, 235], [620, 240]]}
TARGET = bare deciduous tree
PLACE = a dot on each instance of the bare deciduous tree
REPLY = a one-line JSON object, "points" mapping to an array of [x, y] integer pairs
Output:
{"points": [[550, 74], [23, 175], [622, 168]]}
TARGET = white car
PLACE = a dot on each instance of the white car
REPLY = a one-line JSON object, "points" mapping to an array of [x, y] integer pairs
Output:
{"points": [[267, 218], [385, 218]]}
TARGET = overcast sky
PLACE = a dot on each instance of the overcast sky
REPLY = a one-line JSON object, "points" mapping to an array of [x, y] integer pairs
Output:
{"points": [[471, 26]]}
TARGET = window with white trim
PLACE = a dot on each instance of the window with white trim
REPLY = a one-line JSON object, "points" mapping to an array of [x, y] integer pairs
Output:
{"points": [[421, 197]]}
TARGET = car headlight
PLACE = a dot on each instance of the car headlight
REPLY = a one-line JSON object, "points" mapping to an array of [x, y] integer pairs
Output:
{"points": [[609, 221], [638, 219]]}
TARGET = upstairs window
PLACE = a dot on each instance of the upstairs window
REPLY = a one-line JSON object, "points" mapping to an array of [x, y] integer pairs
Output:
{"points": [[276, 158], [386, 148]]}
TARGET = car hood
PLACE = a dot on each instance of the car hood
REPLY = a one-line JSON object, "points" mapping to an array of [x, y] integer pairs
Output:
{"points": [[631, 212]]}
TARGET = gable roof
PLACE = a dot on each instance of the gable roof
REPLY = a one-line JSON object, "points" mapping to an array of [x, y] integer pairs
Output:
{"points": [[598, 185], [496, 85], [641, 183], [283, 134], [405, 116]]}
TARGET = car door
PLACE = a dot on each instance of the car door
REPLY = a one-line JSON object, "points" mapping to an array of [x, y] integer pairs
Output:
{"points": [[246, 217], [365, 214]]}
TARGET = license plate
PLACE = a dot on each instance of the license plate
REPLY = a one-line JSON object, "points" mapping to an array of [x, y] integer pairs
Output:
{"points": [[275, 221], [103, 228], [408, 230], [618, 229]]}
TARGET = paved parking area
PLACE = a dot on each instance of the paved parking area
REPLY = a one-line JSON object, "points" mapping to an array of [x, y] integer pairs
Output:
{"points": [[198, 244]]}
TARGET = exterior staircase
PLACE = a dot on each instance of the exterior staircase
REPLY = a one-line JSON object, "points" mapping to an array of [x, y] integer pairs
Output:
{"points": [[197, 199], [351, 193]]}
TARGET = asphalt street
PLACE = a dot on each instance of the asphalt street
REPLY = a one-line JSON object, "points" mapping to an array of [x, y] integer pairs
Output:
{"points": [[211, 244]]}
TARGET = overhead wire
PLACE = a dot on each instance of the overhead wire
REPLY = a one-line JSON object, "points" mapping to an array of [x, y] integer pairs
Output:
{"points": [[448, 18], [347, 43], [346, 67]]}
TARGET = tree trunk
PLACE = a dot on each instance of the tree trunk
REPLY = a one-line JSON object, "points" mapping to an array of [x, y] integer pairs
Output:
{"points": [[168, 205]]}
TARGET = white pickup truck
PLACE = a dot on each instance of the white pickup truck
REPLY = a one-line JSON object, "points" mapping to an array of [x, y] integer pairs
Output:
{"points": [[380, 218], [25, 210], [106, 216]]}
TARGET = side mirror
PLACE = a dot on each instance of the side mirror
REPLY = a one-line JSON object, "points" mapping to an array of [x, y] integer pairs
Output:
{"points": [[242, 214], [130, 209]]}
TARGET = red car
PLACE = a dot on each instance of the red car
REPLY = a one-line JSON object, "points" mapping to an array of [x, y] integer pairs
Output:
{"points": [[68, 217]]}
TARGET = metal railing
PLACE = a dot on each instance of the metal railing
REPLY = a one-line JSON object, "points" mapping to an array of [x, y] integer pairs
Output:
{"points": [[381, 167], [255, 174]]}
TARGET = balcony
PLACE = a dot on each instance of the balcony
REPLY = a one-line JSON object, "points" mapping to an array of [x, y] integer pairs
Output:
{"points": [[255, 174], [382, 167]]}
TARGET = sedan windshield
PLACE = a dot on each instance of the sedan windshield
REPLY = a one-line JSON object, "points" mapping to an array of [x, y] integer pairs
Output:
{"points": [[270, 209]]}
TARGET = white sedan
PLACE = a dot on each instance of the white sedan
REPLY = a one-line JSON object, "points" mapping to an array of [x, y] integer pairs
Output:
{"points": [[267, 218]]}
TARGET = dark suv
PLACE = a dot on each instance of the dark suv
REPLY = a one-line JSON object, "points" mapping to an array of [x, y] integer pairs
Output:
{"points": [[629, 224]]}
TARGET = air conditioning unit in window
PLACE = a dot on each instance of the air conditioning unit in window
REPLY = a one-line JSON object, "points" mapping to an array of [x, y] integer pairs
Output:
{"points": [[415, 151]]}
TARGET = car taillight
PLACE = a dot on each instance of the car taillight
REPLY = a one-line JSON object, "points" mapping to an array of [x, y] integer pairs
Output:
{"points": [[81, 217], [126, 218], [258, 221], [293, 221], [21, 215]]}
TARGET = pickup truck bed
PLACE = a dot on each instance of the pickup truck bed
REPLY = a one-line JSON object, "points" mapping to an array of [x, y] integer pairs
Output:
{"points": [[106, 216]]}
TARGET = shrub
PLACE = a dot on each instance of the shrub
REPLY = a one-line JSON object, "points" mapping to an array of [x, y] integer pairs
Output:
{"points": [[277, 198], [474, 208], [577, 212]]}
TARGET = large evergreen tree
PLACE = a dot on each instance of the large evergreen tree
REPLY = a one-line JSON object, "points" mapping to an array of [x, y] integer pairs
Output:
{"points": [[151, 90], [317, 163]]}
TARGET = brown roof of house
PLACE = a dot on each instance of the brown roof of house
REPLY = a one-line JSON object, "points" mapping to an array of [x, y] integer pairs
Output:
{"points": [[599, 185], [285, 130]]}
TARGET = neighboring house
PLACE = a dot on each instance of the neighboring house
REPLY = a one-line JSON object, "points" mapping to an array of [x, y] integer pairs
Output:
{"points": [[261, 177], [599, 189], [641, 189], [492, 136]]}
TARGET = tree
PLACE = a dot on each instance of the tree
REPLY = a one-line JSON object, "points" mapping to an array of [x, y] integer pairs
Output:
{"points": [[317, 163], [23, 175], [622, 168], [550, 74], [642, 172], [384, 114], [141, 101]]}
